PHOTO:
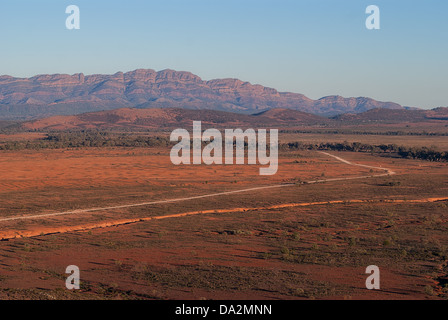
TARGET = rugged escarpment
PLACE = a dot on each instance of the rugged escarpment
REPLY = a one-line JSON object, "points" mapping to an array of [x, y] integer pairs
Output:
{"points": [[47, 95]]}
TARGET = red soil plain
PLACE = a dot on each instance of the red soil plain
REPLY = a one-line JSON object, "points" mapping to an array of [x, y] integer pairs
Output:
{"points": [[298, 240]]}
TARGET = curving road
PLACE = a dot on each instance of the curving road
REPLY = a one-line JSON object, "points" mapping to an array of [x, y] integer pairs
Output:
{"points": [[388, 172]]}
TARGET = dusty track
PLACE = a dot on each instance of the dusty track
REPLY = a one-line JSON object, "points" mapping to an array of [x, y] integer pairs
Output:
{"points": [[46, 231], [42, 231]]}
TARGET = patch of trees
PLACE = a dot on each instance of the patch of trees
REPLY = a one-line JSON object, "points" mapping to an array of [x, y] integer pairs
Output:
{"points": [[104, 139], [367, 133], [421, 153], [92, 138], [84, 139]]}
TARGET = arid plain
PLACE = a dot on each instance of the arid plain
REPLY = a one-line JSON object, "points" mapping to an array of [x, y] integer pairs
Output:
{"points": [[139, 227]]}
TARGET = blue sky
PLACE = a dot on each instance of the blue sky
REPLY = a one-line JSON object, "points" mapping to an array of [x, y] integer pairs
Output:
{"points": [[314, 47]]}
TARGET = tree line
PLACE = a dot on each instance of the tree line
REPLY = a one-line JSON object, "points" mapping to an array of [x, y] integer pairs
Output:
{"points": [[368, 133], [85, 139], [421, 153]]}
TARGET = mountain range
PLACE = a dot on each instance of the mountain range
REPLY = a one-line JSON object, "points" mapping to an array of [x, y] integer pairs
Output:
{"points": [[59, 94]]}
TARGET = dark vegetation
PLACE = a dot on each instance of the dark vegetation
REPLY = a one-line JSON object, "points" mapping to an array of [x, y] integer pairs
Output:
{"points": [[87, 139], [368, 133], [92, 138], [421, 153]]}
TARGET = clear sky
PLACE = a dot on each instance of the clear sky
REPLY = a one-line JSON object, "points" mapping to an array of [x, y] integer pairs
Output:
{"points": [[314, 47]]}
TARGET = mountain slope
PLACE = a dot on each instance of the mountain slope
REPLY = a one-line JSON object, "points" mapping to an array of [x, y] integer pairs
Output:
{"points": [[134, 119], [169, 118], [47, 95]]}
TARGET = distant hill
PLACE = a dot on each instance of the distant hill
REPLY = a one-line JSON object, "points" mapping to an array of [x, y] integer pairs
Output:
{"points": [[59, 94], [437, 113], [394, 116], [134, 119], [5, 124]]}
